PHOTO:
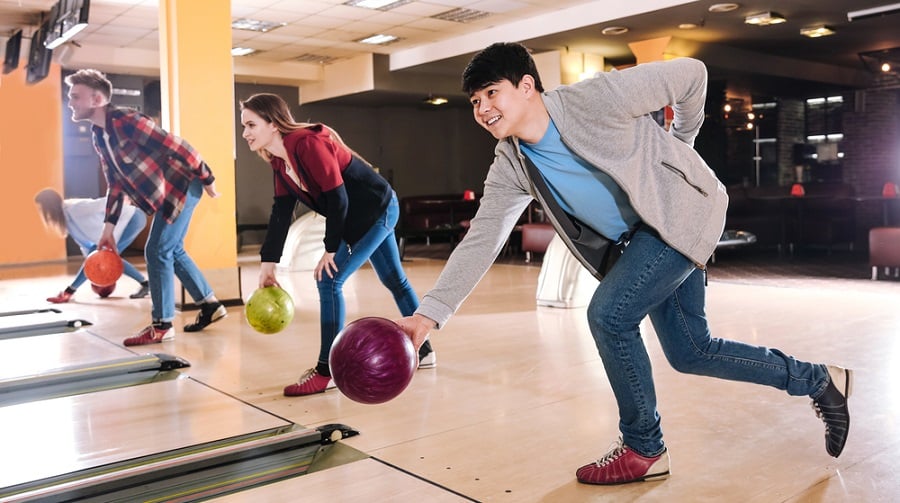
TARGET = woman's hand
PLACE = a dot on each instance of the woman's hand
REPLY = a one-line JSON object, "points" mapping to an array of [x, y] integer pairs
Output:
{"points": [[326, 264], [267, 275]]}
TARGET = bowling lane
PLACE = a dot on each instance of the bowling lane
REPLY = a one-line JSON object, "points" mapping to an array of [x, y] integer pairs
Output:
{"points": [[61, 435], [24, 356], [36, 322], [364, 480]]}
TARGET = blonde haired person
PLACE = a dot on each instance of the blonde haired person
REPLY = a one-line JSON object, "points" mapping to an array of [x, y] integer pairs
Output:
{"points": [[163, 176], [82, 220]]}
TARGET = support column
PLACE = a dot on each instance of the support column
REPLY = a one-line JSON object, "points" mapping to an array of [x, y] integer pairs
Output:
{"points": [[197, 82], [649, 50]]}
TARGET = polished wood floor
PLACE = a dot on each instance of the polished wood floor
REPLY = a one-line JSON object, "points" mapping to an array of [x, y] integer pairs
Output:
{"points": [[519, 399]]}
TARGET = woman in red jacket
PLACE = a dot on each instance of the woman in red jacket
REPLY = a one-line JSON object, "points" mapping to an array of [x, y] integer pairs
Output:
{"points": [[311, 164]]}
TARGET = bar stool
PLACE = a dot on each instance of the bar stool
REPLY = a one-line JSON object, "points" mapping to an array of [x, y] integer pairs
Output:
{"points": [[884, 251]]}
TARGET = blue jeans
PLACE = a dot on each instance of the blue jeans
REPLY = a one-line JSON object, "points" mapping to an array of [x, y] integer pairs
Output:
{"points": [[653, 279], [379, 246], [132, 229], [166, 258]]}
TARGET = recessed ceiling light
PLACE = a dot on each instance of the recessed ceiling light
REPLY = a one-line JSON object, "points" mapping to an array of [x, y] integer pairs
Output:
{"points": [[242, 51], [378, 39], [614, 30], [723, 7], [765, 19], [817, 31], [377, 4], [687, 26], [255, 25], [435, 100]]}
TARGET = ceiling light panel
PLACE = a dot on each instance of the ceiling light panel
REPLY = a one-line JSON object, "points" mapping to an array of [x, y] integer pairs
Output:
{"points": [[817, 31], [255, 25], [379, 39], [377, 4], [461, 15], [765, 19], [315, 58]]}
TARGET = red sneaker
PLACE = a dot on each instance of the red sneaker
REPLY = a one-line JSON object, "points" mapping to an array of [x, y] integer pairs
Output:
{"points": [[310, 382], [151, 335], [61, 298], [621, 465]]}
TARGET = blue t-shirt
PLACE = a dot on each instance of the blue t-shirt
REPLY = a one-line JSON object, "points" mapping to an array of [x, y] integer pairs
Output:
{"points": [[581, 190]]}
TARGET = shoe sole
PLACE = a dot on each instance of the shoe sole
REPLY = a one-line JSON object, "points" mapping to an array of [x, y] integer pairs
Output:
{"points": [[432, 363], [166, 338], [849, 387], [646, 478], [330, 386], [211, 321], [846, 391], [217, 315]]}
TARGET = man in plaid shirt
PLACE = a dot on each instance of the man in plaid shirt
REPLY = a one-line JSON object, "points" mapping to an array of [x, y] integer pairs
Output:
{"points": [[163, 176]]}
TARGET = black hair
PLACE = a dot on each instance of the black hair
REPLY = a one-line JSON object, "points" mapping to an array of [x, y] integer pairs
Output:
{"points": [[502, 60]]}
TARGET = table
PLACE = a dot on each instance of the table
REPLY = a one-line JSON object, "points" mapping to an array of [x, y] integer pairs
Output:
{"points": [[733, 239], [889, 206]]}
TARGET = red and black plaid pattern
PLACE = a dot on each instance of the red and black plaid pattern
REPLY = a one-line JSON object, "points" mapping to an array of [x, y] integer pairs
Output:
{"points": [[148, 164]]}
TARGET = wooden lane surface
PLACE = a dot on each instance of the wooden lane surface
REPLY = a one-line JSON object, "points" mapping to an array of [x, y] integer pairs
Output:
{"points": [[363, 480], [61, 435], [25, 356], [520, 399]]}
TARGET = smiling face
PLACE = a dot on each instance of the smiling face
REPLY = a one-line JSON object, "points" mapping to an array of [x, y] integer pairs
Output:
{"points": [[502, 108], [259, 133], [84, 102]]}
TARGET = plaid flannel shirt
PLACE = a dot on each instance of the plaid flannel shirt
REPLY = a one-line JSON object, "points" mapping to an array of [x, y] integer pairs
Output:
{"points": [[151, 166]]}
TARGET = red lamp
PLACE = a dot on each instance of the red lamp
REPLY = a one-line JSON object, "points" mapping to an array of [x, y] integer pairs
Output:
{"points": [[889, 190], [797, 190]]}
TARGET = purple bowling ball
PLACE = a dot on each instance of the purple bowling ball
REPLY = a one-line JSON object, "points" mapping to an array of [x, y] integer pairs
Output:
{"points": [[372, 360]]}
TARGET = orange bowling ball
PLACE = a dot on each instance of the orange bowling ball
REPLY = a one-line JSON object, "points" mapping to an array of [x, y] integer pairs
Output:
{"points": [[103, 267]]}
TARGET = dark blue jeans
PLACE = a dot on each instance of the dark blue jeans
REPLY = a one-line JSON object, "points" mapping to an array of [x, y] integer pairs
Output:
{"points": [[653, 279], [379, 246]]}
